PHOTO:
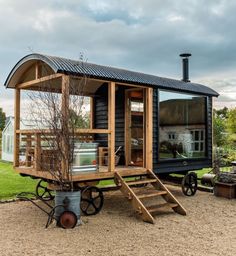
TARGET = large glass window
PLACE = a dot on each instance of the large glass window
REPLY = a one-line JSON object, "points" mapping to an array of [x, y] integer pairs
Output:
{"points": [[182, 127]]}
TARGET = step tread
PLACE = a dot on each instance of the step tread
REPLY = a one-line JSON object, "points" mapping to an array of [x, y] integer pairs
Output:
{"points": [[152, 194], [154, 208], [139, 182]]}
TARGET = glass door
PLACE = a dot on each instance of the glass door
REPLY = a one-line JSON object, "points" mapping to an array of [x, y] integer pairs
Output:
{"points": [[134, 127]]}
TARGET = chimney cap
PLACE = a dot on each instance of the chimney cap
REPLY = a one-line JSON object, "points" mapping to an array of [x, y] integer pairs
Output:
{"points": [[185, 55]]}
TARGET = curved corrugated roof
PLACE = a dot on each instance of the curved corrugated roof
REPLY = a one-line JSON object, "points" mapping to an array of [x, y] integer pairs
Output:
{"points": [[79, 68]]}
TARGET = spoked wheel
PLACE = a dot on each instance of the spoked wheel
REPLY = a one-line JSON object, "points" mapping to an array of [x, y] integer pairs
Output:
{"points": [[189, 184], [67, 220], [91, 200], [43, 192]]}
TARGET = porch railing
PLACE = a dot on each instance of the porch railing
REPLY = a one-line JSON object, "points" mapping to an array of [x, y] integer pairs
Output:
{"points": [[37, 150]]}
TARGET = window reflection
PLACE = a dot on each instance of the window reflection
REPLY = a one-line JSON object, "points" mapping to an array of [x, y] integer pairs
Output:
{"points": [[182, 125]]}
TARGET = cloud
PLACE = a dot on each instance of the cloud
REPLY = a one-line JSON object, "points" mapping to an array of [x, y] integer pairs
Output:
{"points": [[46, 19], [146, 36]]}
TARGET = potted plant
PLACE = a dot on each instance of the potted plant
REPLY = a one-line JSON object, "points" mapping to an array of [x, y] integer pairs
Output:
{"points": [[225, 185]]}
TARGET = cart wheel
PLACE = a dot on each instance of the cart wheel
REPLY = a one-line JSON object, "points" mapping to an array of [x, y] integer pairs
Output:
{"points": [[189, 184], [91, 201], [67, 220], [43, 192]]}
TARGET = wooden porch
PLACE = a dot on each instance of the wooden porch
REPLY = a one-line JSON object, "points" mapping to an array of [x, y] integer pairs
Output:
{"points": [[101, 174], [34, 152]]}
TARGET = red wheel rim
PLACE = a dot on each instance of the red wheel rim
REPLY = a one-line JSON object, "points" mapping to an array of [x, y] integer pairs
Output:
{"points": [[68, 220]]}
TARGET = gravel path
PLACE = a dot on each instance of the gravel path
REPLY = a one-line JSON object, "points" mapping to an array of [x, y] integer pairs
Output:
{"points": [[208, 229]]}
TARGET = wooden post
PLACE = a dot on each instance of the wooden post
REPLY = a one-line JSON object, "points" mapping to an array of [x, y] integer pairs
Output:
{"points": [[127, 129], [65, 115], [37, 152], [28, 149], [111, 126], [148, 128], [17, 127], [91, 112]]}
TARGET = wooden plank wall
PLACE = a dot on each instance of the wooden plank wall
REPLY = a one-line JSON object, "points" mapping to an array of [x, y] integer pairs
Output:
{"points": [[209, 130], [101, 114], [155, 128], [101, 120]]}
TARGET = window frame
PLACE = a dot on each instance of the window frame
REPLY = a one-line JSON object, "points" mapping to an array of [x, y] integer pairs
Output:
{"points": [[200, 139], [194, 159]]}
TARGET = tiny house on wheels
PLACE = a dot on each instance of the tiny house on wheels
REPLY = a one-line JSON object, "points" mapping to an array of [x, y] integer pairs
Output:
{"points": [[160, 125]]}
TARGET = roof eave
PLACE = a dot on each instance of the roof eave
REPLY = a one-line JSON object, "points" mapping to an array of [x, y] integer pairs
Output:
{"points": [[94, 71]]}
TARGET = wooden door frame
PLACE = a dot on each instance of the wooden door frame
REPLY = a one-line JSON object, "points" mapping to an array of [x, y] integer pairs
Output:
{"points": [[147, 127], [148, 142], [111, 125], [127, 126]]}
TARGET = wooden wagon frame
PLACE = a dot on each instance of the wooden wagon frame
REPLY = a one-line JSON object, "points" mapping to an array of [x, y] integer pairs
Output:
{"points": [[29, 74]]}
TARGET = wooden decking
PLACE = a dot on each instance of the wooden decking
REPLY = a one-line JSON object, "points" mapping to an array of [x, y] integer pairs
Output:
{"points": [[101, 174]]}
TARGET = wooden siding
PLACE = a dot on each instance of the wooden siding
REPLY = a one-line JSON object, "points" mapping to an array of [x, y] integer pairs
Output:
{"points": [[101, 117], [180, 166], [101, 114], [120, 121], [155, 128], [209, 128], [100, 121]]}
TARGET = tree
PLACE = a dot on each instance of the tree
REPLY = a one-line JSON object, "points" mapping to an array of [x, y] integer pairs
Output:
{"points": [[219, 127], [58, 127], [80, 120], [2, 119], [223, 112], [231, 122], [58, 111]]}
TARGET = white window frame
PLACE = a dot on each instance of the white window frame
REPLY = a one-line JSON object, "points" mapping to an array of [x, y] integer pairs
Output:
{"points": [[201, 140]]}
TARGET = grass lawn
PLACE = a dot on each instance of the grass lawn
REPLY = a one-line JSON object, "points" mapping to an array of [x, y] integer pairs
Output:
{"points": [[12, 183]]}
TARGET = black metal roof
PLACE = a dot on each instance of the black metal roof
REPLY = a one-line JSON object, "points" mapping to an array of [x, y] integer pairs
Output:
{"points": [[79, 68]]}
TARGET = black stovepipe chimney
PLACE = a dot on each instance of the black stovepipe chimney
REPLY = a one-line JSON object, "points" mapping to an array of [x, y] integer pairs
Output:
{"points": [[185, 57]]}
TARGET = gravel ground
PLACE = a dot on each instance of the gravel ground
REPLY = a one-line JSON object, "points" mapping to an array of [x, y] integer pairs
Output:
{"points": [[208, 229]]}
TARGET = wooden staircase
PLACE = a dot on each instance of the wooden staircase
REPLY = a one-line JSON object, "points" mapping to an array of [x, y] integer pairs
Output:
{"points": [[137, 199]]}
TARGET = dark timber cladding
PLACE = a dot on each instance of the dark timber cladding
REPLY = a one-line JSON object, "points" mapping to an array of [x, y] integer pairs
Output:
{"points": [[101, 118]]}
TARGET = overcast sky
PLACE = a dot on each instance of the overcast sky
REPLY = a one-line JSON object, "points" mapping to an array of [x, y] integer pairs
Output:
{"points": [[139, 35]]}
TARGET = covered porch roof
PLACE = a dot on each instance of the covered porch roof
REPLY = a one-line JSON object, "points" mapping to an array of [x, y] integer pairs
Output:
{"points": [[57, 65]]}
